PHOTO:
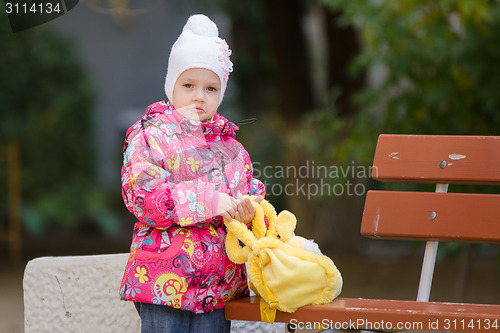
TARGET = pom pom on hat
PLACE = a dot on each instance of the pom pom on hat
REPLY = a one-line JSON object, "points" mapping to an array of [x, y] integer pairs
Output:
{"points": [[199, 46], [201, 25]]}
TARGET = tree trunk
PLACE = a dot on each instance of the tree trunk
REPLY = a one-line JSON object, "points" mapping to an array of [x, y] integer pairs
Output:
{"points": [[343, 46], [294, 93], [292, 66]]}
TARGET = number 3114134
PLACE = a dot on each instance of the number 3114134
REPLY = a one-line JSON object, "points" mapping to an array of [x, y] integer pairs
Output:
{"points": [[32, 8]]}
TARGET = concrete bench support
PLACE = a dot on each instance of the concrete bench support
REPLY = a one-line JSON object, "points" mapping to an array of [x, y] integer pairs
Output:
{"points": [[77, 294]]}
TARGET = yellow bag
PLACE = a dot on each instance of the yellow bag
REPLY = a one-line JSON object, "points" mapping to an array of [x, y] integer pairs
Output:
{"points": [[287, 271]]}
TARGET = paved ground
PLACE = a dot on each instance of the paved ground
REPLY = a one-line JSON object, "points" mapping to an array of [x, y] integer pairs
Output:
{"points": [[364, 276]]}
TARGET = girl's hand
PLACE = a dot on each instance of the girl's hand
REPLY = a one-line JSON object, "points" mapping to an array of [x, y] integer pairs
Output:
{"points": [[245, 211], [227, 206], [186, 108]]}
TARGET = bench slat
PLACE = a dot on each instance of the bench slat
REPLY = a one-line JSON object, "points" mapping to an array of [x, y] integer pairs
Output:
{"points": [[354, 311], [412, 158], [408, 215]]}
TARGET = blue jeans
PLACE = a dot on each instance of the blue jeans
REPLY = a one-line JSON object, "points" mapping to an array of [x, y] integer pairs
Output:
{"points": [[164, 319]]}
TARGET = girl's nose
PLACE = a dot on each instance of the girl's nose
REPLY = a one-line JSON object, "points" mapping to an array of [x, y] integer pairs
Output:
{"points": [[199, 95]]}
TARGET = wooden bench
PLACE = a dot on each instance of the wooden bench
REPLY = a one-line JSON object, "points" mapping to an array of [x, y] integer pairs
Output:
{"points": [[430, 216]]}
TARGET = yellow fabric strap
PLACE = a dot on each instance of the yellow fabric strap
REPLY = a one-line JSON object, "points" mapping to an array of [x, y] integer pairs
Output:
{"points": [[267, 308]]}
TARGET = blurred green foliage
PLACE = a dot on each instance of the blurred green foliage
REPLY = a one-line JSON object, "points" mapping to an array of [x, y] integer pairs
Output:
{"points": [[47, 104], [433, 67]]}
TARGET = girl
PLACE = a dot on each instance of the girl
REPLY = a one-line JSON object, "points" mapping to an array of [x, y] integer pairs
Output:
{"points": [[183, 170]]}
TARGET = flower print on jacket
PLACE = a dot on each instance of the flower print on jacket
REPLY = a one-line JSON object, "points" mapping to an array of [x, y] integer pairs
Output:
{"points": [[141, 274], [134, 287], [173, 169]]}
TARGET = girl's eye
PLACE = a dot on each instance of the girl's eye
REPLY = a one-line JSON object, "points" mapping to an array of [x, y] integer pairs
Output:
{"points": [[188, 85], [212, 89]]}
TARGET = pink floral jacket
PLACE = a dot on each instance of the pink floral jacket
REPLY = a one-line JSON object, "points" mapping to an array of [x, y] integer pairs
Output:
{"points": [[172, 172]]}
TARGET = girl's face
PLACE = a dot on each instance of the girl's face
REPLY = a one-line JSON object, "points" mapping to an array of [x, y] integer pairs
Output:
{"points": [[196, 94]]}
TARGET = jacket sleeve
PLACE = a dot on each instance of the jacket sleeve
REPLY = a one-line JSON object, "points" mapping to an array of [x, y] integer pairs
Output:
{"points": [[149, 192], [255, 186]]}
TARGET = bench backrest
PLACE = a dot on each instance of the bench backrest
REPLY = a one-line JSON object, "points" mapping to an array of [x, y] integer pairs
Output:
{"points": [[429, 215], [434, 216]]}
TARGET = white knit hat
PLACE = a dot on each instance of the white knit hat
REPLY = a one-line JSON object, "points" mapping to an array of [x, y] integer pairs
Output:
{"points": [[199, 46]]}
